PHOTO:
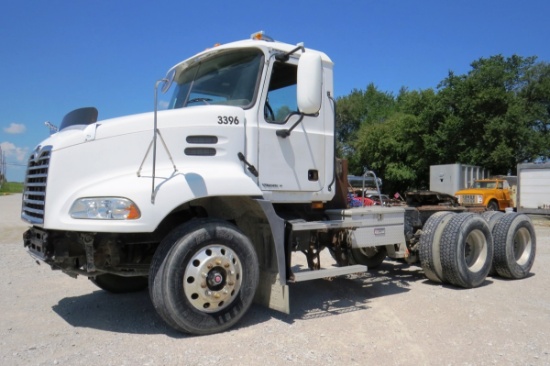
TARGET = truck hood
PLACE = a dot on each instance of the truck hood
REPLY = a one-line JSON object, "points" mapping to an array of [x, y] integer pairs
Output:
{"points": [[108, 128], [473, 191], [79, 134]]}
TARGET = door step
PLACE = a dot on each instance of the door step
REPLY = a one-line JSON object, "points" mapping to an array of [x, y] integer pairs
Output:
{"points": [[329, 272]]}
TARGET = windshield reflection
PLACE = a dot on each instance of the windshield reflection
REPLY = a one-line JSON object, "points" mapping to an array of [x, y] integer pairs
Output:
{"points": [[228, 78]]}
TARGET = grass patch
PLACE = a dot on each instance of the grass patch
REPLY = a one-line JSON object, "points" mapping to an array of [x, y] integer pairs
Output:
{"points": [[11, 187]]}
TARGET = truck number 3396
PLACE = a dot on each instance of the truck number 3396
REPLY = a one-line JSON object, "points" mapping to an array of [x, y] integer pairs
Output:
{"points": [[228, 120]]}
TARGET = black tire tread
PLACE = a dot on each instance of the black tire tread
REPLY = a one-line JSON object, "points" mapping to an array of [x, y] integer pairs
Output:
{"points": [[119, 284], [426, 253], [493, 206], [371, 262], [451, 250], [506, 266], [180, 315], [492, 218], [157, 267]]}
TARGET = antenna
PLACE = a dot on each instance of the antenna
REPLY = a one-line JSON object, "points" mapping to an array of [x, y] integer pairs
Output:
{"points": [[53, 128]]}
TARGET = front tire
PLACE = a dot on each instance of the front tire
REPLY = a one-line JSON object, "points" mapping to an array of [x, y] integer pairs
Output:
{"points": [[493, 206], [119, 284], [371, 257], [207, 279]]}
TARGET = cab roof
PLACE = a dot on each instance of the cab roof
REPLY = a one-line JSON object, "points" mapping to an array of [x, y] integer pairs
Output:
{"points": [[257, 40]]}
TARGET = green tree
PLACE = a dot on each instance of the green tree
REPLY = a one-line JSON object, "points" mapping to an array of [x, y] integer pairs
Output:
{"points": [[357, 109], [496, 116], [393, 150], [487, 121]]}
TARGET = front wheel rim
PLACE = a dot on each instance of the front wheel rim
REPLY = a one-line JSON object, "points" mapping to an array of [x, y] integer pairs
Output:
{"points": [[212, 278]]}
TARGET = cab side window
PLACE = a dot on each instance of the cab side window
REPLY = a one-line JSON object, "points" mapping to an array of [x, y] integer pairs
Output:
{"points": [[281, 97]]}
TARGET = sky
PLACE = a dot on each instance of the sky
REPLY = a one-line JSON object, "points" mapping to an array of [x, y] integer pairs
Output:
{"points": [[59, 55]]}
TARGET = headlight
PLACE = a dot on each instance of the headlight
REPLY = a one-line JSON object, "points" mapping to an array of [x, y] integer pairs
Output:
{"points": [[459, 198], [479, 199], [105, 208]]}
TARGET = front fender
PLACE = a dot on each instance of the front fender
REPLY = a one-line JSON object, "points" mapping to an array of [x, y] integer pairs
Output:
{"points": [[170, 192]]}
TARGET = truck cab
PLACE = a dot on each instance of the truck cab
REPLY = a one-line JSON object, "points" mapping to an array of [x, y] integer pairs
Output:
{"points": [[245, 147]]}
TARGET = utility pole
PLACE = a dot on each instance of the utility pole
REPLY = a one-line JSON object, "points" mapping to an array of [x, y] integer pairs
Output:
{"points": [[2, 167]]}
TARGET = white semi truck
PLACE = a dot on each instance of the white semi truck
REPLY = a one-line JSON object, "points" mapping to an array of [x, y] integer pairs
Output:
{"points": [[205, 202]]}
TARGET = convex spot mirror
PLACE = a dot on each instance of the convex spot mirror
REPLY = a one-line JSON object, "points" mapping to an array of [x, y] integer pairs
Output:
{"points": [[166, 83], [310, 83]]}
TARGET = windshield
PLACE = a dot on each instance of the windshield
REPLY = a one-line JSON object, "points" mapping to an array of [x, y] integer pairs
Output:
{"points": [[486, 184], [228, 78]]}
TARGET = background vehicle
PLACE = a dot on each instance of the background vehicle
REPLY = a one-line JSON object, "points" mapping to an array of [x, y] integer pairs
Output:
{"points": [[493, 194], [533, 194], [205, 203]]}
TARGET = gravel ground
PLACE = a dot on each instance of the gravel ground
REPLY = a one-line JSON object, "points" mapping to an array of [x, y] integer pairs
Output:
{"points": [[391, 316]]}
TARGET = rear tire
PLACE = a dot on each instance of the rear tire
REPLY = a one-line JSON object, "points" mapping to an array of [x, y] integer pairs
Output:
{"points": [[119, 284], [466, 250], [207, 279], [371, 257], [430, 258], [515, 246], [492, 218]]}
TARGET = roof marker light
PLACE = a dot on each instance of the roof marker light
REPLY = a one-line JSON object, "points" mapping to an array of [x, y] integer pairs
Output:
{"points": [[261, 36]]}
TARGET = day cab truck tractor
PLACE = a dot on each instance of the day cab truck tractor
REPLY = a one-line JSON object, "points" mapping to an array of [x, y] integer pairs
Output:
{"points": [[205, 202]]}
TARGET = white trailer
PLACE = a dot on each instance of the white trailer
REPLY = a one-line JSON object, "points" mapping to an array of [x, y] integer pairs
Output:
{"points": [[533, 194], [451, 178]]}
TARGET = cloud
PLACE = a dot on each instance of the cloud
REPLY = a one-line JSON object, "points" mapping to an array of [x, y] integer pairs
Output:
{"points": [[15, 128], [163, 104], [10, 150]]}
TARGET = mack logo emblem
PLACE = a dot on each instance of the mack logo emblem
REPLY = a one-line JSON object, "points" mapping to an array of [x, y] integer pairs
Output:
{"points": [[37, 153]]}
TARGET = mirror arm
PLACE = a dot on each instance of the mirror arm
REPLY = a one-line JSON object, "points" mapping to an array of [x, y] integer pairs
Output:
{"points": [[285, 133], [283, 57]]}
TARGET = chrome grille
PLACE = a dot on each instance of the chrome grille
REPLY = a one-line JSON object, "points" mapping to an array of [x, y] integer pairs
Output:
{"points": [[34, 194], [468, 199]]}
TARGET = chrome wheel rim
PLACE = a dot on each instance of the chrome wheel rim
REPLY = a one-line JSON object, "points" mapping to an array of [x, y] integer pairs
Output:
{"points": [[475, 250], [212, 278]]}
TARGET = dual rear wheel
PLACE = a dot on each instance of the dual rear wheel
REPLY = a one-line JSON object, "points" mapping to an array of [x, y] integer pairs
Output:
{"points": [[461, 249]]}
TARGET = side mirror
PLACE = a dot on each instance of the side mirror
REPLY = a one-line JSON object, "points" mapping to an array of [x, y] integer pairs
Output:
{"points": [[310, 83], [166, 83]]}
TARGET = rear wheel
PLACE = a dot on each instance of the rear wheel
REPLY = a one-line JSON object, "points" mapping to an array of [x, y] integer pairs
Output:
{"points": [[515, 246], [207, 279], [492, 218], [430, 258], [371, 257], [466, 250], [119, 284]]}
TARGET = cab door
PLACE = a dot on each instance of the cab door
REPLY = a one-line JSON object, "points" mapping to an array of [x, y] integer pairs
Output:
{"points": [[291, 145]]}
